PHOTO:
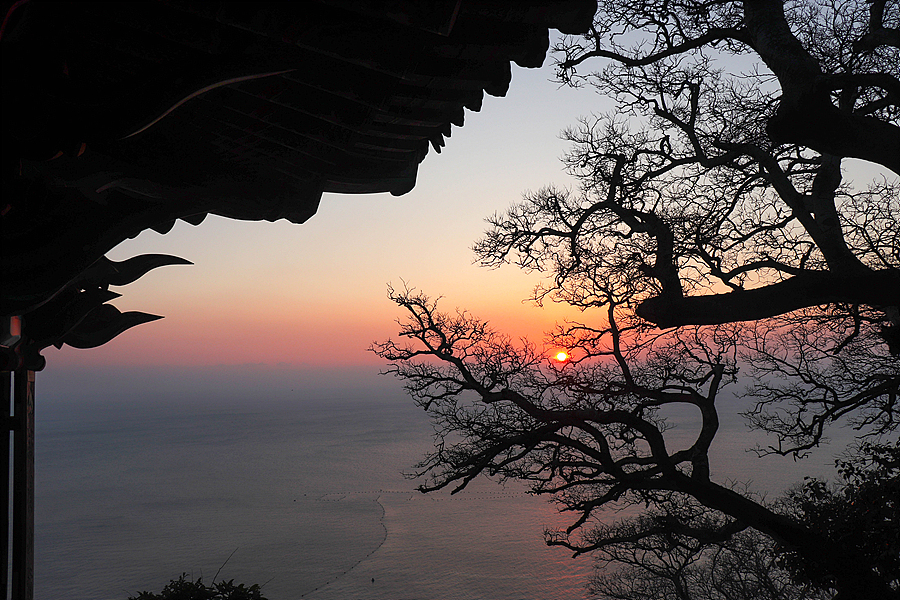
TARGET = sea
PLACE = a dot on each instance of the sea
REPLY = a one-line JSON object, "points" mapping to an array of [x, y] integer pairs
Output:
{"points": [[302, 492]]}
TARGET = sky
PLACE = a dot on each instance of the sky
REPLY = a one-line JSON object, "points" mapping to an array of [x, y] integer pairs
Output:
{"points": [[300, 304], [277, 311], [314, 295]]}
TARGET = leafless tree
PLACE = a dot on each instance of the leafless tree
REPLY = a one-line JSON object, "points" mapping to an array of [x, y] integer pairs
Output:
{"points": [[654, 557], [700, 196], [746, 112], [591, 432], [712, 232]]}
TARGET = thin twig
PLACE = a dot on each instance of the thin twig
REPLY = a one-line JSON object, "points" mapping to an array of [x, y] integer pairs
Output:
{"points": [[223, 565]]}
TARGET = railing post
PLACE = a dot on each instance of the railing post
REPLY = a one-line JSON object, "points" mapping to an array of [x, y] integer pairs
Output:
{"points": [[5, 428], [23, 486]]}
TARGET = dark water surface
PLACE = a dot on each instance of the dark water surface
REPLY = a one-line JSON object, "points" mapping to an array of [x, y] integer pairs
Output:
{"points": [[309, 495]]}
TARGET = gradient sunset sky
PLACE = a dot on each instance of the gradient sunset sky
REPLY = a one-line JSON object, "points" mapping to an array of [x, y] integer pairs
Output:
{"points": [[315, 294], [278, 312]]}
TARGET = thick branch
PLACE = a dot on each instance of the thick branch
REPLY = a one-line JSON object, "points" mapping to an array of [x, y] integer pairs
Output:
{"points": [[856, 579], [878, 34], [805, 113], [877, 288]]}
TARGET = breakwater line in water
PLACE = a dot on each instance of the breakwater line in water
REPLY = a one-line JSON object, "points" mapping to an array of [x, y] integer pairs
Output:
{"points": [[336, 497], [371, 552]]}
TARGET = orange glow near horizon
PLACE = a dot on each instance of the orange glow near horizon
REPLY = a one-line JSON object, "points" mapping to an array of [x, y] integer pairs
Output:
{"points": [[204, 326]]}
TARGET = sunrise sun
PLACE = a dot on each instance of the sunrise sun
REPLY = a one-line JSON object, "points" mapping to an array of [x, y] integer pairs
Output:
{"points": [[561, 356]]}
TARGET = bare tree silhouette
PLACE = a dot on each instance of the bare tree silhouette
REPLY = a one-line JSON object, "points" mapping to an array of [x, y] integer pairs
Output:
{"points": [[646, 558], [712, 232], [704, 197]]}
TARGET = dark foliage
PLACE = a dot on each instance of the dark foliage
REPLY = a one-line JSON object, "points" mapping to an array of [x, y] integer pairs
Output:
{"points": [[645, 558], [187, 589], [862, 513]]}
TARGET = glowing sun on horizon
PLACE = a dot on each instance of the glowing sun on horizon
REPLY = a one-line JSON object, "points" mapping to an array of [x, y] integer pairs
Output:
{"points": [[561, 356]]}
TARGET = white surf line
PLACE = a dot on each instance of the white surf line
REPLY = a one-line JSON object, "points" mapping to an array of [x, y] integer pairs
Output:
{"points": [[357, 563]]}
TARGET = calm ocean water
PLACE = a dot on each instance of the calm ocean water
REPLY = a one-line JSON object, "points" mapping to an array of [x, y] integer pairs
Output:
{"points": [[307, 493]]}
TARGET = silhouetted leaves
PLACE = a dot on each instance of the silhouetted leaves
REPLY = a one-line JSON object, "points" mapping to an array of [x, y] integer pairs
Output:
{"points": [[187, 589]]}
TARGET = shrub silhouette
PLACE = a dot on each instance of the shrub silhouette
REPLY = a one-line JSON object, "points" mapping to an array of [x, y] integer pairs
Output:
{"points": [[185, 589]]}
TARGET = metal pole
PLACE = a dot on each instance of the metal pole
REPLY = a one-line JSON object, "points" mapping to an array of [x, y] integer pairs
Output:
{"points": [[23, 486], [5, 399]]}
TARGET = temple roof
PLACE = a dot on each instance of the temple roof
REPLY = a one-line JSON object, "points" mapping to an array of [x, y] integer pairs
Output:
{"points": [[120, 117], [280, 101]]}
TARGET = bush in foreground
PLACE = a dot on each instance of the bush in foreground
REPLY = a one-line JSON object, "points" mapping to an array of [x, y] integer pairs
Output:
{"points": [[185, 589]]}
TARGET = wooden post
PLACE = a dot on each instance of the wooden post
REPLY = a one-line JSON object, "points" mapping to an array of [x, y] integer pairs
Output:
{"points": [[5, 399], [23, 486]]}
